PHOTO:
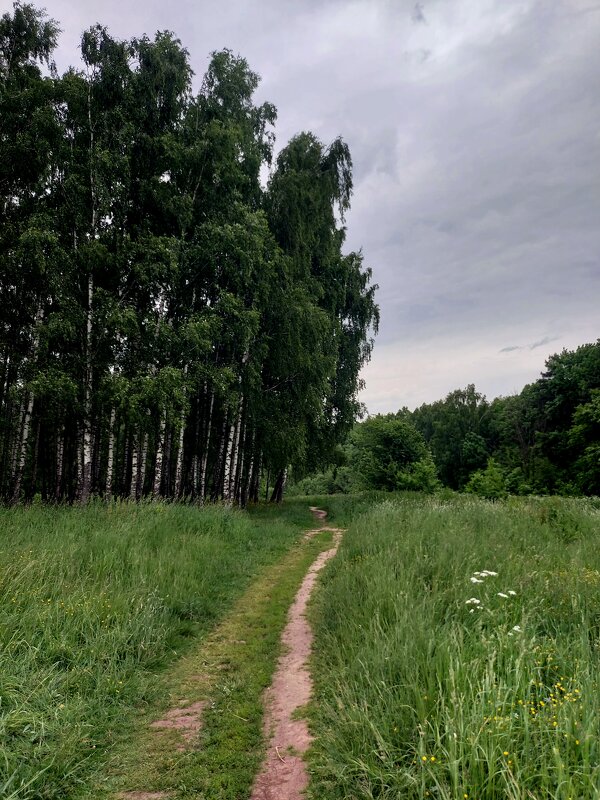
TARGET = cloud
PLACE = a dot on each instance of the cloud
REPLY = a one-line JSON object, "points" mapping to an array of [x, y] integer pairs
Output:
{"points": [[418, 14], [533, 346], [476, 154], [542, 342]]}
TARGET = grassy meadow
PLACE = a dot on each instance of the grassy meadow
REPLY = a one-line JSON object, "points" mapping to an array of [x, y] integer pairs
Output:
{"points": [[94, 602], [458, 652]]}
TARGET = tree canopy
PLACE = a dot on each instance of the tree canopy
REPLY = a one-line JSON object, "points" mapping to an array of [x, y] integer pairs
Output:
{"points": [[169, 326]]}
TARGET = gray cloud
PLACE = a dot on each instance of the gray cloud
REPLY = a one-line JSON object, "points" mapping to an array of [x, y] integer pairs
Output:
{"points": [[473, 126]]}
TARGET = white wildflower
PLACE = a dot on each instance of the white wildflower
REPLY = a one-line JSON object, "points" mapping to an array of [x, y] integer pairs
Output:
{"points": [[489, 572], [476, 580], [501, 594], [517, 628], [472, 601], [510, 591]]}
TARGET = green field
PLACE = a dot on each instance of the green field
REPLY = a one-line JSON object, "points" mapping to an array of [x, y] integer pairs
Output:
{"points": [[435, 677], [434, 685], [94, 603]]}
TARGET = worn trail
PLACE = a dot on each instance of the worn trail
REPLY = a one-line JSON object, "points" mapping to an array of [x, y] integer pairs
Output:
{"points": [[283, 775]]}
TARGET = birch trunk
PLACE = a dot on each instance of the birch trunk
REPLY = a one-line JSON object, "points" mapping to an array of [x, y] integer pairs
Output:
{"points": [[133, 490], [179, 464], [85, 478], [142, 465], [160, 454], [206, 448], [229, 456], [86, 448], [217, 479], [22, 448], [108, 491], [16, 441], [28, 400], [238, 466], [60, 459]]}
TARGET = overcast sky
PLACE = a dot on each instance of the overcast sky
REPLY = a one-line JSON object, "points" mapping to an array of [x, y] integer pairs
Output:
{"points": [[474, 127]]}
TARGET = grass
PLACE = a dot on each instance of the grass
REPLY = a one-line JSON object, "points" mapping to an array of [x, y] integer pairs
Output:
{"points": [[229, 670], [94, 604], [423, 694]]}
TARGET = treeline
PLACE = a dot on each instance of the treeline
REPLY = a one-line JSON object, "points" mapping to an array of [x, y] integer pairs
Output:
{"points": [[168, 326], [545, 440]]}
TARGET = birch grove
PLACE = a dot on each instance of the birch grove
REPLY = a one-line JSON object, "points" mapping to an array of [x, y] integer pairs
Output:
{"points": [[170, 327]]}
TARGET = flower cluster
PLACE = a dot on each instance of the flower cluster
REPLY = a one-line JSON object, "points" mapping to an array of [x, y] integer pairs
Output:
{"points": [[475, 603]]}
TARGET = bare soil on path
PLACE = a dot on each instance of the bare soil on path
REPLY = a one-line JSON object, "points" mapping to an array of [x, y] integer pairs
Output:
{"points": [[283, 775]]}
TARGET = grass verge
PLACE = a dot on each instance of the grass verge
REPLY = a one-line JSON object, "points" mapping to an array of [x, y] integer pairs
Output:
{"points": [[458, 652]]}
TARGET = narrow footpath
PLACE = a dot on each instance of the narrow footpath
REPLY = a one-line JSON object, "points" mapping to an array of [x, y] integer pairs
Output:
{"points": [[283, 775], [231, 694]]}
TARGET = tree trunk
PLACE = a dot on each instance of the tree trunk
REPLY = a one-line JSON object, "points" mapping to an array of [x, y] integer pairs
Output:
{"points": [[133, 489], [85, 478], [142, 465], [22, 448], [229, 456], [238, 446], [206, 448], [277, 495], [60, 458], [108, 491], [160, 455], [28, 400], [217, 480]]}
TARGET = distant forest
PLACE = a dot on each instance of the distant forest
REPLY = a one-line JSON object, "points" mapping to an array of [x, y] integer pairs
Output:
{"points": [[169, 325], [545, 440]]}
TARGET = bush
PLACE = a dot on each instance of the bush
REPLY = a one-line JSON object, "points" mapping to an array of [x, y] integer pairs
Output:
{"points": [[489, 482]]}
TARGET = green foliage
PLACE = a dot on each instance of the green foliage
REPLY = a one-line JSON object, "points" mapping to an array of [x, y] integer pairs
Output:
{"points": [[168, 327], [456, 430], [424, 692], [545, 439], [387, 452], [489, 482]]}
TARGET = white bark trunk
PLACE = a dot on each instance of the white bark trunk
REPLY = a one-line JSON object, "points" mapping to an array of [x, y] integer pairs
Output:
{"points": [[22, 451], [133, 492], [237, 461], [160, 454], [85, 477], [179, 464], [206, 448], [142, 465], [60, 459], [111, 455], [86, 450], [28, 401], [230, 454]]}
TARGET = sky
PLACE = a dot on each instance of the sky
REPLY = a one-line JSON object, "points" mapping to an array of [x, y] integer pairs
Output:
{"points": [[474, 127]]}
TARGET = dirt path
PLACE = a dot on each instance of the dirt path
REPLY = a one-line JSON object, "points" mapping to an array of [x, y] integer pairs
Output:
{"points": [[283, 775]]}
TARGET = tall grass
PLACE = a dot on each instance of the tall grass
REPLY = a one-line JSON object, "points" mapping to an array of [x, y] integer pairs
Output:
{"points": [[431, 684], [92, 603]]}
